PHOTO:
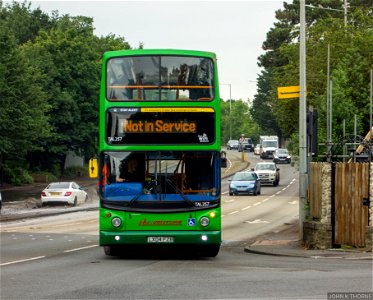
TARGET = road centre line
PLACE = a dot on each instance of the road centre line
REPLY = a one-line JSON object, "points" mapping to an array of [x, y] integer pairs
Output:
{"points": [[22, 260], [81, 248], [228, 201], [257, 203], [233, 212], [247, 207]]}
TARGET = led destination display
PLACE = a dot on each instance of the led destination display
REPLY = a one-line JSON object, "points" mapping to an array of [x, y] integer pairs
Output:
{"points": [[162, 125]]}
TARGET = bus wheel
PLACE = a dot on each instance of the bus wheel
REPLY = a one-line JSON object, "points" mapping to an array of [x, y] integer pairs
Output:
{"points": [[111, 250], [210, 251]]}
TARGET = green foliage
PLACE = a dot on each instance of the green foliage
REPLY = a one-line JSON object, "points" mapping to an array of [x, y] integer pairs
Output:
{"points": [[73, 172], [351, 59], [236, 120], [49, 86], [17, 175]]}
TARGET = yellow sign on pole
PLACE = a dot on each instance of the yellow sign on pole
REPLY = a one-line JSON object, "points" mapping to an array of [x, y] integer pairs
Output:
{"points": [[93, 168], [287, 92]]}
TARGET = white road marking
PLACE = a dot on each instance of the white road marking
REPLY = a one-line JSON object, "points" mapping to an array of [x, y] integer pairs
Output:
{"points": [[229, 201], [257, 221], [247, 207], [81, 248], [293, 202], [258, 203], [233, 212], [22, 260]]}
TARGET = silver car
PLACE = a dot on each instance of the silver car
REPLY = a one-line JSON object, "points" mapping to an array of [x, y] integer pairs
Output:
{"points": [[64, 192]]}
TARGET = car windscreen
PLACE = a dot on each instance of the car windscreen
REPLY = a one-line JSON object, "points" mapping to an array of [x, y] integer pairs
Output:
{"points": [[59, 185], [244, 177]]}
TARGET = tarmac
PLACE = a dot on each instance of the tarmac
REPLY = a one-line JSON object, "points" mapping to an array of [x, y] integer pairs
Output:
{"points": [[284, 241]]}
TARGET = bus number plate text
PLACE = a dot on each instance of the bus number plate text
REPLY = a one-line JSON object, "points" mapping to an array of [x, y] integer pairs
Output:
{"points": [[160, 239]]}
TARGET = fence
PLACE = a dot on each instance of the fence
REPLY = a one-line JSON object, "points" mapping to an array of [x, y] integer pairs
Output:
{"points": [[341, 203], [351, 216]]}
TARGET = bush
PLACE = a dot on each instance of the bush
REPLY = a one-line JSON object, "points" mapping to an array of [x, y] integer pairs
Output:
{"points": [[17, 176], [72, 172], [44, 177]]}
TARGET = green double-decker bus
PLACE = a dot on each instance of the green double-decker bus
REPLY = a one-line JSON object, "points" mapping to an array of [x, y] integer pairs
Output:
{"points": [[159, 151]]}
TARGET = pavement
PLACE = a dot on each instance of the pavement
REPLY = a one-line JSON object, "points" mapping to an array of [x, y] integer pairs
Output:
{"points": [[284, 241]]}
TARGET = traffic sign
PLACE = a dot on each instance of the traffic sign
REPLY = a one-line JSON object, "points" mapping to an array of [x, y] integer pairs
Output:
{"points": [[287, 92]]}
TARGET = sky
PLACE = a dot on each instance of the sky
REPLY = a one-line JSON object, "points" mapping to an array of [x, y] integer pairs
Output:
{"points": [[234, 30]]}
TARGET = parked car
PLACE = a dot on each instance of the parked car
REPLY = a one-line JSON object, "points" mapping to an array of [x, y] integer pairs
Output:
{"points": [[232, 144], [257, 149], [282, 155], [268, 173], [64, 192], [244, 183]]}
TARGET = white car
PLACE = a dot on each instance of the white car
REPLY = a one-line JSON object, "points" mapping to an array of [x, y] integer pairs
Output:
{"points": [[64, 192], [268, 173], [257, 149]]}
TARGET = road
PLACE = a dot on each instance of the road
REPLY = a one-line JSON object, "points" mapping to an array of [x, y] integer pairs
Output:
{"points": [[244, 216], [57, 257]]}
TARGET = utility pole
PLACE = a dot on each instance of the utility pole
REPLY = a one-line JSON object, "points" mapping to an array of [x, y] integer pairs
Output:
{"points": [[303, 179]]}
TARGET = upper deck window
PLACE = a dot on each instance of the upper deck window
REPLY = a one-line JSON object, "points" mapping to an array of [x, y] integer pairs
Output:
{"points": [[160, 78]]}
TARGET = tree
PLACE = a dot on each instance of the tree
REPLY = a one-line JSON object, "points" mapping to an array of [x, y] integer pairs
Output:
{"points": [[350, 62], [24, 122]]}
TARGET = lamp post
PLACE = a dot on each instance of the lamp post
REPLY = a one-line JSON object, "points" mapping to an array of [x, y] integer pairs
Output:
{"points": [[329, 105], [302, 120], [344, 10], [230, 108]]}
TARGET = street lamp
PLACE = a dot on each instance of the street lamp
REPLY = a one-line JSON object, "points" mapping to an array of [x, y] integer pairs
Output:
{"points": [[329, 106], [302, 119], [333, 9], [230, 108]]}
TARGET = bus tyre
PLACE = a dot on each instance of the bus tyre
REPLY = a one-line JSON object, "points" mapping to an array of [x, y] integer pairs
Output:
{"points": [[111, 250], [210, 251]]}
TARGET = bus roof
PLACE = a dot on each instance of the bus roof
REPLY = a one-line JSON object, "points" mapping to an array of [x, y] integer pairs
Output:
{"points": [[139, 52]]}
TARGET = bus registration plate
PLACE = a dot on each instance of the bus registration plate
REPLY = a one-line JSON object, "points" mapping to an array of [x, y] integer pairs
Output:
{"points": [[160, 239]]}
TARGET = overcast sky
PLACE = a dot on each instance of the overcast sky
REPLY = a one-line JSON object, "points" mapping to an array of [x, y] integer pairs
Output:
{"points": [[234, 30]]}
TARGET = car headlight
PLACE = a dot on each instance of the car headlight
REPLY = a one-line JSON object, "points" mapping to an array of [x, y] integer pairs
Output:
{"points": [[233, 186], [204, 221], [116, 222]]}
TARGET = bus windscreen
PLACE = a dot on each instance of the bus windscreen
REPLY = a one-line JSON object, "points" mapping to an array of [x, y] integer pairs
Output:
{"points": [[159, 78]]}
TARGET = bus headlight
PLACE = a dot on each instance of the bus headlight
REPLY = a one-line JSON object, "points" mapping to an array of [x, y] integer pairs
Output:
{"points": [[204, 221], [116, 222]]}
